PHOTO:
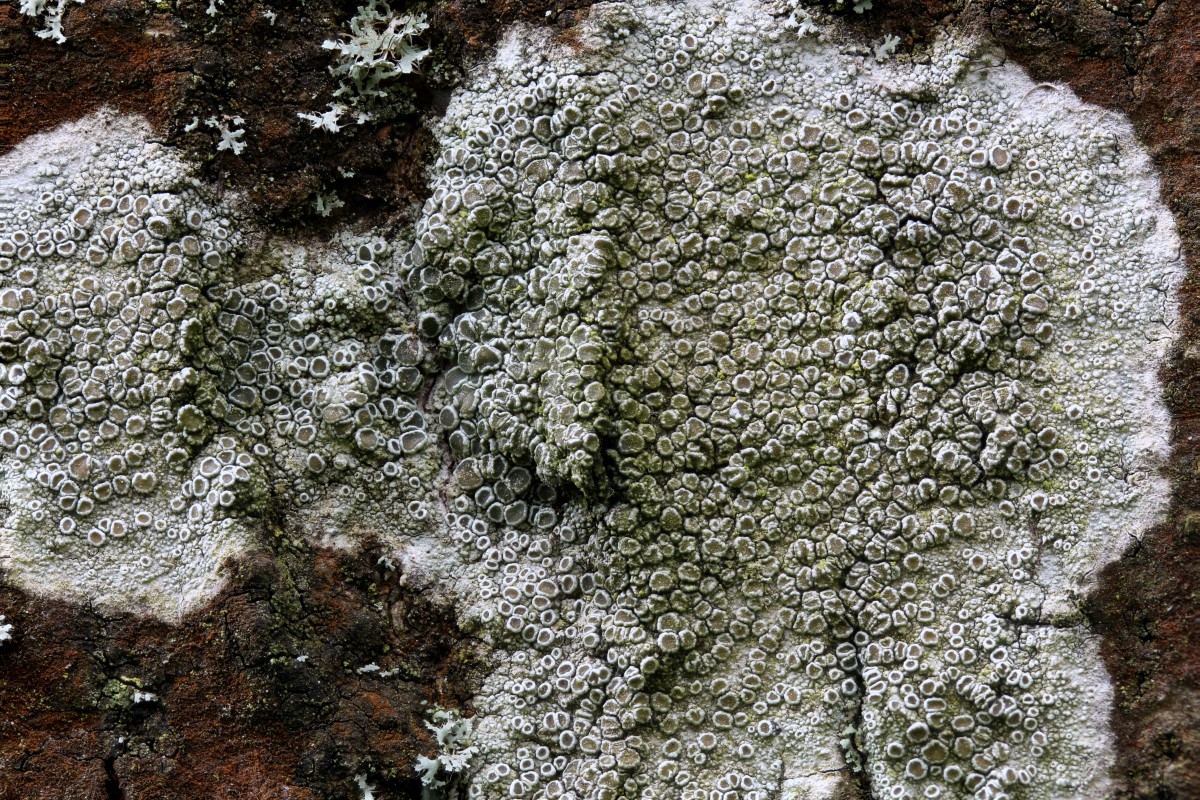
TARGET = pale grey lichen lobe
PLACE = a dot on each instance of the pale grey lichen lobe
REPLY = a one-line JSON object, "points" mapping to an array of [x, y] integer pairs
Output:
{"points": [[153, 408], [849, 369], [103, 251]]}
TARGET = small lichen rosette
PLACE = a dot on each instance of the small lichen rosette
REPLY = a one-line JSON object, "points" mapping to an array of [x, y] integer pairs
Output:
{"points": [[795, 398], [162, 387]]}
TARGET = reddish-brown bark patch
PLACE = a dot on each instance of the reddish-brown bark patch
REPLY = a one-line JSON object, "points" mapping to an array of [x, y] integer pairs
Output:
{"points": [[480, 24], [110, 60], [259, 693]]}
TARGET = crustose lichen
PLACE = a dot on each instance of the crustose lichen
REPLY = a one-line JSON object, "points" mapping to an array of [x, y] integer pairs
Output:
{"points": [[765, 405], [845, 368]]}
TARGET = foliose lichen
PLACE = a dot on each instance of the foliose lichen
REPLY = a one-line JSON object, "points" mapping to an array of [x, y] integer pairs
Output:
{"points": [[454, 737], [50, 14], [379, 48]]}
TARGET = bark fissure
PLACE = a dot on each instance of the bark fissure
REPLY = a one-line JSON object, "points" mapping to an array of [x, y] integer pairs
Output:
{"points": [[112, 782]]}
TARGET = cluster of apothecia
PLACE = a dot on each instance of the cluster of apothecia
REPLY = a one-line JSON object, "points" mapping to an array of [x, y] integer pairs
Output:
{"points": [[836, 366]]}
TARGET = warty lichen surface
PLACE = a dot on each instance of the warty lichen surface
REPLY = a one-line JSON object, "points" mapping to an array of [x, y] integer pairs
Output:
{"points": [[786, 402], [848, 369], [161, 387]]}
